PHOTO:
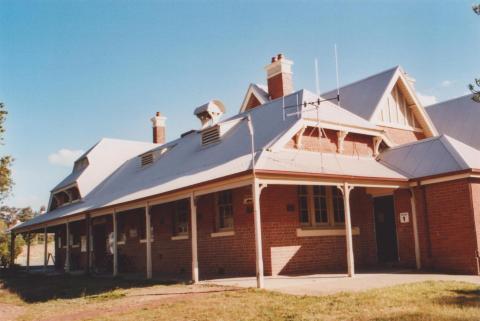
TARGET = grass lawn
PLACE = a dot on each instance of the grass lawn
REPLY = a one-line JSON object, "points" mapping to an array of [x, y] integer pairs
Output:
{"points": [[81, 298]]}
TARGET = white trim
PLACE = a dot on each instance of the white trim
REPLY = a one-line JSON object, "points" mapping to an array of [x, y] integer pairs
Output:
{"points": [[74, 246], [121, 243], [401, 127], [179, 237], [311, 232], [145, 240], [222, 234]]}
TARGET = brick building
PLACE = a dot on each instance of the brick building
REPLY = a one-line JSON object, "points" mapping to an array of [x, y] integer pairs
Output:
{"points": [[295, 183]]}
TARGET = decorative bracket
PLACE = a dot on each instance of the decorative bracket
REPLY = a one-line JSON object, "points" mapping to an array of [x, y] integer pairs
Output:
{"points": [[298, 138], [377, 140], [341, 138]]}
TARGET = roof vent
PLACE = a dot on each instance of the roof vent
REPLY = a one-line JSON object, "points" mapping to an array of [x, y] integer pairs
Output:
{"points": [[210, 113], [147, 159], [211, 135]]}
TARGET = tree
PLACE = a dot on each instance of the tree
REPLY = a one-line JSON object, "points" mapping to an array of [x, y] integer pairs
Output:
{"points": [[5, 245], [5, 161], [476, 9], [25, 214], [476, 92]]}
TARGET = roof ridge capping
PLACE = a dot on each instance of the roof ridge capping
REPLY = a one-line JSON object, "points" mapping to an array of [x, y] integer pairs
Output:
{"points": [[461, 156]]}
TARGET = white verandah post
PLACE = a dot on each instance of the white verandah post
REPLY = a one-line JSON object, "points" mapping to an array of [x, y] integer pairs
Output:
{"points": [[346, 189], [257, 189], [415, 229], [28, 251], [67, 256], [148, 235], [193, 214], [114, 244], [45, 249]]}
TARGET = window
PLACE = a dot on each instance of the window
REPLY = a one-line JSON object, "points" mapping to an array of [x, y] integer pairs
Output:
{"points": [[180, 218], [320, 206], [224, 210]]}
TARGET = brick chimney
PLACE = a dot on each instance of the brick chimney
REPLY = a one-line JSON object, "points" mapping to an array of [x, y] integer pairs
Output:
{"points": [[279, 77], [158, 124]]}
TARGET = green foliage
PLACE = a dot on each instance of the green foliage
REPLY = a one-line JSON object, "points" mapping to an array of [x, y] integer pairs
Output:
{"points": [[5, 245], [475, 91], [5, 161], [476, 9], [25, 214]]}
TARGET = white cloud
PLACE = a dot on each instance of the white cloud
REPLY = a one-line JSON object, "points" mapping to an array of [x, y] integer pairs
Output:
{"points": [[427, 99], [446, 83], [64, 157]]}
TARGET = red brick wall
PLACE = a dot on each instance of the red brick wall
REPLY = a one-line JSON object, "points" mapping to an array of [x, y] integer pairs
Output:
{"points": [[284, 252], [475, 190], [311, 254], [229, 255], [354, 144], [405, 236], [446, 227], [402, 136]]}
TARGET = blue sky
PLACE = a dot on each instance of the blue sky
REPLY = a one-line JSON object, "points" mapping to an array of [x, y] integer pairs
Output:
{"points": [[72, 72]]}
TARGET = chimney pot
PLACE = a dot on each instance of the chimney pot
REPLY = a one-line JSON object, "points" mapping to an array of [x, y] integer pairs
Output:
{"points": [[280, 56], [274, 59]]}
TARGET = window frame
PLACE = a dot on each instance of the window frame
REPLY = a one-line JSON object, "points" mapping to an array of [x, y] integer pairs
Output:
{"points": [[331, 221], [178, 210], [218, 210]]}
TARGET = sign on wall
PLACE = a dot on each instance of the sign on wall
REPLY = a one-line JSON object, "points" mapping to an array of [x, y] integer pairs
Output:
{"points": [[404, 217]]}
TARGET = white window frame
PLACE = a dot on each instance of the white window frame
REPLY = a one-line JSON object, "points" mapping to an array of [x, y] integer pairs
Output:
{"points": [[331, 223]]}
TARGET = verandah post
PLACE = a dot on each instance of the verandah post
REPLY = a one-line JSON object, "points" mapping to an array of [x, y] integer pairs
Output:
{"points": [[148, 234], [114, 245], [67, 257], [87, 233], [193, 214], [346, 188], [45, 250], [12, 249], [415, 229], [256, 189], [28, 251]]}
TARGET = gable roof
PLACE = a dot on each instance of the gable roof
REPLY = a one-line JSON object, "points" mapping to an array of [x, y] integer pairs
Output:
{"points": [[458, 118], [365, 97], [188, 163], [259, 91], [437, 155], [103, 159]]}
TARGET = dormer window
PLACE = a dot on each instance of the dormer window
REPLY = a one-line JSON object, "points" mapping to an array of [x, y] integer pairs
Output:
{"points": [[80, 164], [65, 197], [211, 136]]}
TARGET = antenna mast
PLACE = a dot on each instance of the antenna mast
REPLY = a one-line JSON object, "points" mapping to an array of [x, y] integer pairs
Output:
{"points": [[336, 68], [317, 82]]}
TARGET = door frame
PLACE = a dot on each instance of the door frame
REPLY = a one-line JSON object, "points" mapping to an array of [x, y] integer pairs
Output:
{"points": [[397, 246]]}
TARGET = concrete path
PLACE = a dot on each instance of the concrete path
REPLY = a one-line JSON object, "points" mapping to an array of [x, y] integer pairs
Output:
{"points": [[322, 284]]}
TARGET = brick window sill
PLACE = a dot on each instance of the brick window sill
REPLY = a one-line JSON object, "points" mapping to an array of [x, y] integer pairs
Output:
{"points": [[222, 234], [179, 237], [309, 232], [145, 241]]}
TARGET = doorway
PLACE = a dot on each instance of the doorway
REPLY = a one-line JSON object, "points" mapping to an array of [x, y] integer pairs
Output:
{"points": [[100, 248], [385, 229]]}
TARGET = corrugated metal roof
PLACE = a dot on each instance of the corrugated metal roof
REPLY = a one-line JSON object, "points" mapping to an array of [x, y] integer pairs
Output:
{"points": [[103, 158], [458, 118], [432, 156], [362, 97]]}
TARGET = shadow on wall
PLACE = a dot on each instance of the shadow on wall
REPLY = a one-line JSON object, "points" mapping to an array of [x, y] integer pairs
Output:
{"points": [[41, 288]]}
